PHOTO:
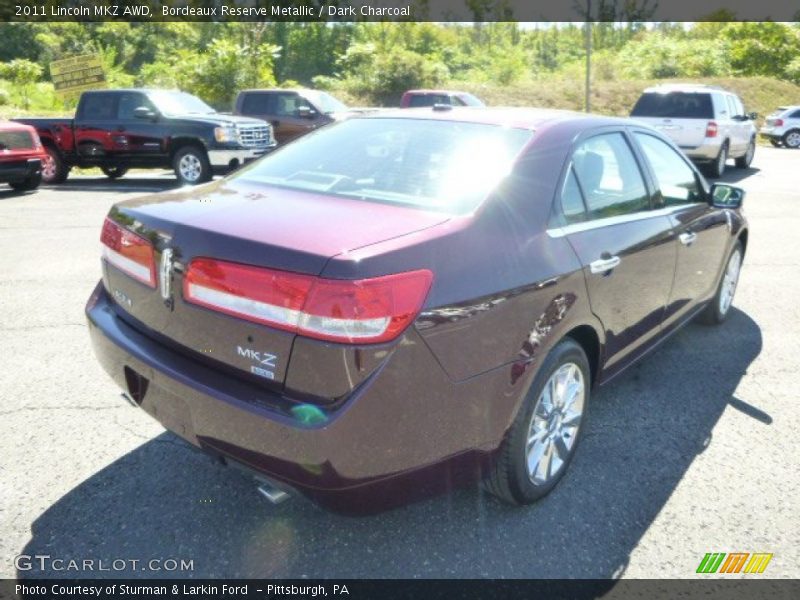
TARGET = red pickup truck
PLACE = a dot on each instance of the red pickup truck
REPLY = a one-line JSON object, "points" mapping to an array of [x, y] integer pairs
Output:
{"points": [[21, 156]]}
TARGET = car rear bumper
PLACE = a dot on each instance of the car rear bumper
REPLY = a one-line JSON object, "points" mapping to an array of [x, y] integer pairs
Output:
{"points": [[19, 170], [395, 439], [706, 151]]}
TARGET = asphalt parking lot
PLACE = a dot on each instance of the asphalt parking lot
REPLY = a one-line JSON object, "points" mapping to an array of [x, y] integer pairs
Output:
{"points": [[695, 450]]}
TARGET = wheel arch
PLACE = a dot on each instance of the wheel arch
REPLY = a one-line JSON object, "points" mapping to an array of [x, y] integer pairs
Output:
{"points": [[587, 338], [178, 143]]}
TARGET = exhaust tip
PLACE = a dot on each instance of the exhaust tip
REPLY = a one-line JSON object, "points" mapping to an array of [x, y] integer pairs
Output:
{"points": [[271, 492]]}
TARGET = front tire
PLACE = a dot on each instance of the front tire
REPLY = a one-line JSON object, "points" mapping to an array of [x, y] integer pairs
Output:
{"points": [[542, 441], [53, 168], [114, 172], [743, 162], [30, 184], [191, 165], [720, 306]]}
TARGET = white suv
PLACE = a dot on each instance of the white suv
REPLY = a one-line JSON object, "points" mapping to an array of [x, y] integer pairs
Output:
{"points": [[708, 123], [783, 127]]}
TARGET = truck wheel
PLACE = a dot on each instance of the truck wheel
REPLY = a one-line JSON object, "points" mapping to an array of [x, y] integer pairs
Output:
{"points": [[744, 161], [114, 172], [53, 168], [717, 168], [191, 165], [31, 183]]}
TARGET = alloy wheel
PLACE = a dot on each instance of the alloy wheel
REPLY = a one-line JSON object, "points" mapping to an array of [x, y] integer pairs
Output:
{"points": [[48, 167], [554, 424], [190, 168], [729, 281], [793, 139]]}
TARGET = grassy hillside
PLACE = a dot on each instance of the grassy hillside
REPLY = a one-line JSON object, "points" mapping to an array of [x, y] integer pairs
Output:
{"points": [[759, 94]]}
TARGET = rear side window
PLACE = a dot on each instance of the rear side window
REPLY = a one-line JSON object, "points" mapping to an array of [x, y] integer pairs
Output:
{"points": [[98, 107], [257, 104], [15, 140], [676, 180], [418, 100], [572, 200], [795, 115], [609, 176], [674, 105]]}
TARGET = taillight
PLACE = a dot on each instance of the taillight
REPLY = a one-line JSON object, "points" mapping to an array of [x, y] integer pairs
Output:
{"points": [[778, 122], [711, 129], [130, 253], [364, 311]]}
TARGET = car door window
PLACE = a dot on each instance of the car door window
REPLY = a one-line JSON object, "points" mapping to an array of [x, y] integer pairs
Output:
{"points": [[676, 180], [99, 107], [129, 102], [286, 105], [609, 177], [795, 115], [731, 107]]}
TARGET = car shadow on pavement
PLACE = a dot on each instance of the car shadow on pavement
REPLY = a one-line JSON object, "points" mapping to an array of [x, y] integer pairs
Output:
{"points": [[733, 175], [166, 501], [100, 183]]}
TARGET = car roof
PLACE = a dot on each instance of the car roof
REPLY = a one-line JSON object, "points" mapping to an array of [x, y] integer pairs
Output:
{"points": [[688, 87], [12, 126], [427, 91], [520, 118]]}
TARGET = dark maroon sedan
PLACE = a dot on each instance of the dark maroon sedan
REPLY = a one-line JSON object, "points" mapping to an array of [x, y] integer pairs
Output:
{"points": [[403, 302]]}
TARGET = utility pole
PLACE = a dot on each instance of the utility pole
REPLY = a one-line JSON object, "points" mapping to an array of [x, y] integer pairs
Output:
{"points": [[588, 98]]}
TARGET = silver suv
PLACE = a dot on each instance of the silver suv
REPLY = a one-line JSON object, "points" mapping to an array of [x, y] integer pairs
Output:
{"points": [[783, 127], [708, 123]]}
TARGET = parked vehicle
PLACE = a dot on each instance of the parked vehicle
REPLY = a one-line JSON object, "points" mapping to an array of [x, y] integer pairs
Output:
{"points": [[424, 98], [782, 128], [21, 156], [708, 123], [293, 113], [404, 300], [117, 130]]}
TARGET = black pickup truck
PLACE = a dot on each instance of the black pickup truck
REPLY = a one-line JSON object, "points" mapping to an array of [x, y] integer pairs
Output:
{"points": [[117, 130]]}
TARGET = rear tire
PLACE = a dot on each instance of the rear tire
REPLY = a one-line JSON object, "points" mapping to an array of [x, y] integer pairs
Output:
{"points": [[53, 168], [191, 165], [791, 139], [717, 168], [543, 438], [31, 183], [114, 172], [743, 162], [719, 308]]}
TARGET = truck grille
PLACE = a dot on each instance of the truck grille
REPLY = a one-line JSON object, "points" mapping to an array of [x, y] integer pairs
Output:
{"points": [[255, 136]]}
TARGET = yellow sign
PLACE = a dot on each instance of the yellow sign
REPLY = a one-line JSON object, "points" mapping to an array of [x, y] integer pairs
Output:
{"points": [[77, 74]]}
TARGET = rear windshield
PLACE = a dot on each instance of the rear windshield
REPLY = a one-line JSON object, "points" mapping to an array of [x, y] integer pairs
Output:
{"points": [[438, 165], [681, 105], [16, 140]]}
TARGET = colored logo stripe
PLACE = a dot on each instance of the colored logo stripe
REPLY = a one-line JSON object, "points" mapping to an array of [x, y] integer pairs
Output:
{"points": [[758, 562], [735, 561]]}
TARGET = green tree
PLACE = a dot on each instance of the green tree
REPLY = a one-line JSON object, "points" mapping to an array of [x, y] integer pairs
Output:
{"points": [[23, 74]]}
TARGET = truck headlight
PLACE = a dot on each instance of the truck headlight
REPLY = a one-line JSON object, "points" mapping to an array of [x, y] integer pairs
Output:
{"points": [[226, 134]]}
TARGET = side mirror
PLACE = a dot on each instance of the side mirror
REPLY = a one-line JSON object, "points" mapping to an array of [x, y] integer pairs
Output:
{"points": [[306, 112], [752, 116], [144, 113], [726, 196]]}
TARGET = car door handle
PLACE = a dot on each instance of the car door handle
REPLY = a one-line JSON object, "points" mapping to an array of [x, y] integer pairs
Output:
{"points": [[687, 238], [604, 265]]}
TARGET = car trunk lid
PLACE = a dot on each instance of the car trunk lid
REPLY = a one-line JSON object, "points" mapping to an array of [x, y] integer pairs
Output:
{"points": [[242, 223]]}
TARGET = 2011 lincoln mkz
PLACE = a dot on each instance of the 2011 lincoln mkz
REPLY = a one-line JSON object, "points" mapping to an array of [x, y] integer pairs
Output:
{"points": [[408, 300]]}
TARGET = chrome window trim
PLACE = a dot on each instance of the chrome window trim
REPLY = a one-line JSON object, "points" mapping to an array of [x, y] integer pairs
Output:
{"points": [[558, 232]]}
